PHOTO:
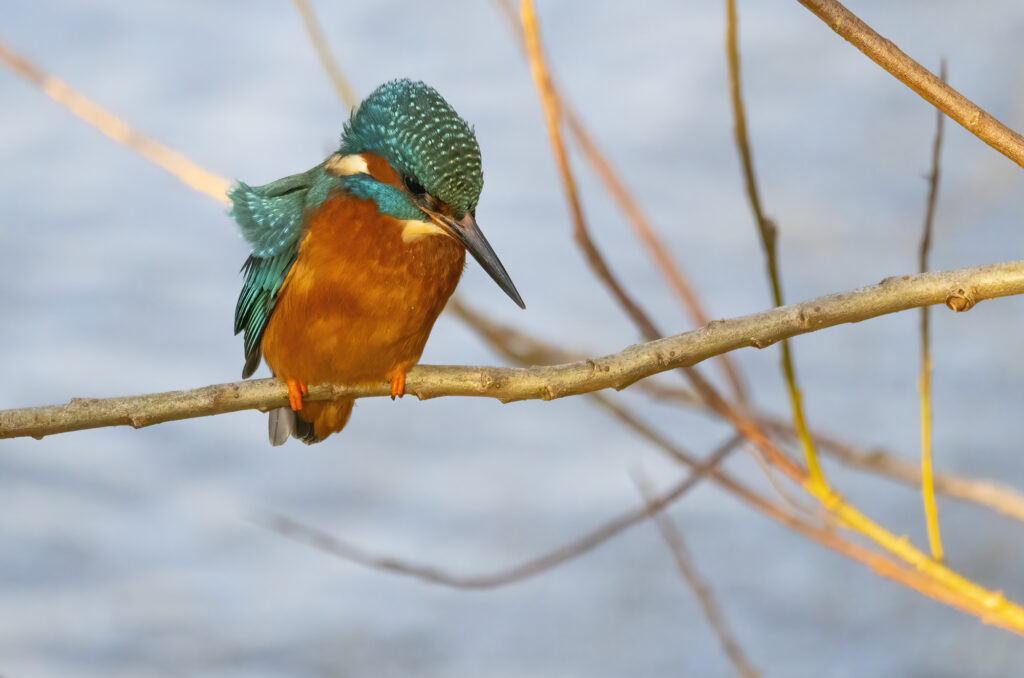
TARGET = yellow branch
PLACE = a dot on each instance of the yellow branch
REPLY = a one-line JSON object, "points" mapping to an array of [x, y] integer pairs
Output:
{"points": [[924, 384], [769, 234]]}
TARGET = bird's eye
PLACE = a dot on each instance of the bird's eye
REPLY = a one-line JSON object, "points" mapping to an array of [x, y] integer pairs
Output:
{"points": [[414, 187]]}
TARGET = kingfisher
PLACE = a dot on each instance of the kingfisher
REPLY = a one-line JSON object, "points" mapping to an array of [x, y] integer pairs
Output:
{"points": [[353, 260]]}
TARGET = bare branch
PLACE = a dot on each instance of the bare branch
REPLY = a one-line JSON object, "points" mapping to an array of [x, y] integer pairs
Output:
{"points": [[931, 509], [996, 496], [688, 569], [580, 231], [918, 78], [959, 289], [768, 232], [526, 349], [588, 542], [637, 219], [323, 51], [185, 170]]}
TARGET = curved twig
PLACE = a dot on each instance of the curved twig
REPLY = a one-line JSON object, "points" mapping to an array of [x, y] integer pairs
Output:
{"points": [[510, 575]]}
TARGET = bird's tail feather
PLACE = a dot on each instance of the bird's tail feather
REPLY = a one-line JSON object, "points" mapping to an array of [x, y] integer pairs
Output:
{"points": [[316, 421]]}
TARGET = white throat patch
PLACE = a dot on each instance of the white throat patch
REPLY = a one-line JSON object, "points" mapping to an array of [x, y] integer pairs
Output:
{"points": [[414, 229], [345, 165]]}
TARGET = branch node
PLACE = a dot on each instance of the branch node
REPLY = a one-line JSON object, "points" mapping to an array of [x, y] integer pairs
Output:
{"points": [[961, 300]]}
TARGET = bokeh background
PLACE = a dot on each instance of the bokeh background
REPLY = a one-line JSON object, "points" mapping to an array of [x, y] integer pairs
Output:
{"points": [[136, 553]]}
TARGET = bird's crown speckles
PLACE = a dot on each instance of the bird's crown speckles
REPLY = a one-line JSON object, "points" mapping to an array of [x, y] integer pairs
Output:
{"points": [[412, 127]]}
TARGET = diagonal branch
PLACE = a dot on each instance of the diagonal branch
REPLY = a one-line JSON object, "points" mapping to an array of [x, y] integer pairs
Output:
{"points": [[688, 569], [323, 52], [185, 170], [918, 78], [516, 573], [657, 248], [959, 289]]}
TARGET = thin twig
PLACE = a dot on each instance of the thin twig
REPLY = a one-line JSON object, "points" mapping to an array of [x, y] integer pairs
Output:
{"points": [[877, 563], [525, 570], [931, 509], [617, 370], [742, 423], [769, 236], [814, 483], [918, 78], [688, 569], [940, 582], [998, 497], [525, 349], [771, 475], [580, 231], [323, 51], [185, 170], [657, 249]]}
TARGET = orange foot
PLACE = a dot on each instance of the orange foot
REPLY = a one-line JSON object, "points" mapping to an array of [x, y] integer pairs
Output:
{"points": [[397, 384], [296, 389]]}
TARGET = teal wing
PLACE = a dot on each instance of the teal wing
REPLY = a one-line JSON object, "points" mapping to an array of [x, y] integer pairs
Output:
{"points": [[272, 218], [263, 279]]}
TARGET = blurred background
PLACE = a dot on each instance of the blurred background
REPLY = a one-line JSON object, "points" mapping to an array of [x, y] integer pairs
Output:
{"points": [[139, 553]]}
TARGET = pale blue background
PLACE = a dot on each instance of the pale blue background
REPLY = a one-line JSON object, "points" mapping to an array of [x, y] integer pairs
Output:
{"points": [[133, 553]]}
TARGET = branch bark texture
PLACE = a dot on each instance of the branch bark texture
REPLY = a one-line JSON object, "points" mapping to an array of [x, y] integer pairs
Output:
{"points": [[958, 289], [929, 86]]}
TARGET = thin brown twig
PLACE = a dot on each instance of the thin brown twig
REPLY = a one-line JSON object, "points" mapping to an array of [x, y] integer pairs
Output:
{"points": [[581, 233], [787, 497], [530, 568], [323, 51], [688, 569], [525, 349], [769, 235], [657, 249], [960, 289], [643, 322], [182, 168], [843, 512], [947, 585], [877, 563], [931, 509], [814, 481], [918, 78]]}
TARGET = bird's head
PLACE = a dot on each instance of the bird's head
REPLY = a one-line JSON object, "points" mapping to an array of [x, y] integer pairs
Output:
{"points": [[434, 151]]}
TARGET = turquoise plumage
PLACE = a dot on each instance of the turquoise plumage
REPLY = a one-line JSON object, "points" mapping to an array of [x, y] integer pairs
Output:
{"points": [[272, 218], [435, 155]]}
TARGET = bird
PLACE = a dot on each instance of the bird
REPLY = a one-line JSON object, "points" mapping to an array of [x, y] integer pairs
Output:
{"points": [[352, 261]]}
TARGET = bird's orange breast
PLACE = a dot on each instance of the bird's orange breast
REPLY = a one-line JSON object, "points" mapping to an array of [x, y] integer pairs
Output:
{"points": [[359, 301]]}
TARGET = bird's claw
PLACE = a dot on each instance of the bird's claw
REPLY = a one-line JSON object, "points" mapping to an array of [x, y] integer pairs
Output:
{"points": [[296, 389], [397, 385]]}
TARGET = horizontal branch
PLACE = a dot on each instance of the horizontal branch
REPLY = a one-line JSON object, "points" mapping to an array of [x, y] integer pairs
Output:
{"points": [[958, 289]]}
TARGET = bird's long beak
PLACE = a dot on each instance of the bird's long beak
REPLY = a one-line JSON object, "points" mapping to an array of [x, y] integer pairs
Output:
{"points": [[469, 234]]}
